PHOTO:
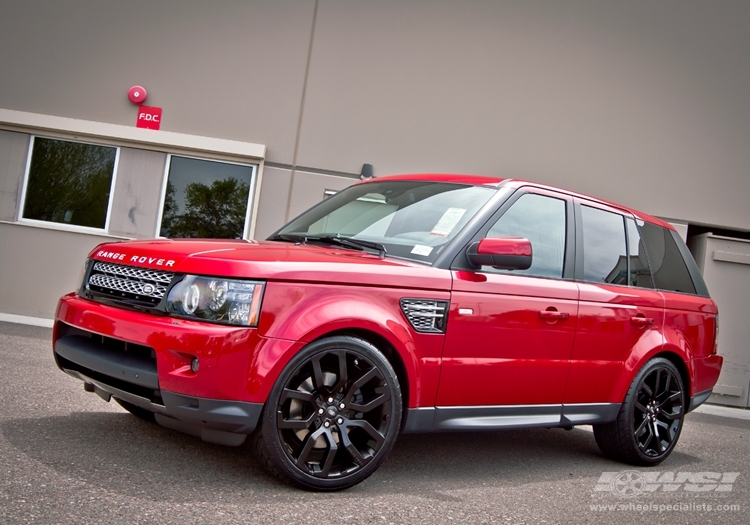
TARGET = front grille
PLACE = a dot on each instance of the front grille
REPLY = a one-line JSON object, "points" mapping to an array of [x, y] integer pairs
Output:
{"points": [[134, 272], [129, 282], [425, 315]]}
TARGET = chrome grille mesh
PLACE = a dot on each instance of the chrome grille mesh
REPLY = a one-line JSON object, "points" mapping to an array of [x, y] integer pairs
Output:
{"points": [[129, 282], [425, 315], [128, 286], [134, 272]]}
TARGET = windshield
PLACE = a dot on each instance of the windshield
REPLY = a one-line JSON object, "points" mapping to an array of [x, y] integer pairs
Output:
{"points": [[409, 219]]}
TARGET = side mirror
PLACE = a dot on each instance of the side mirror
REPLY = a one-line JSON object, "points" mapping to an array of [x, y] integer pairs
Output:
{"points": [[503, 253]]}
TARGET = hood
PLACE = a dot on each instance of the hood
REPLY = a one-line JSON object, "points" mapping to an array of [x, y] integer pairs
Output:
{"points": [[273, 261]]}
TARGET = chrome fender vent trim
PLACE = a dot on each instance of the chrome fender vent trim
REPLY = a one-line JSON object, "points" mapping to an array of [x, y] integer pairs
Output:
{"points": [[426, 315]]}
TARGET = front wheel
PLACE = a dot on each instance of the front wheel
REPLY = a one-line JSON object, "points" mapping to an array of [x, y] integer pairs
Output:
{"points": [[332, 417], [650, 420]]}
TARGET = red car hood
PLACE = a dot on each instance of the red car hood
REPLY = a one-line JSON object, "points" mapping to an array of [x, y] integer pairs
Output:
{"points": [[273, 261]]}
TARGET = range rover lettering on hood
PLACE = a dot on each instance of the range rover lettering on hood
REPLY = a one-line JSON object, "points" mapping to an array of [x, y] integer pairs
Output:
{"points": [[114, 256]]}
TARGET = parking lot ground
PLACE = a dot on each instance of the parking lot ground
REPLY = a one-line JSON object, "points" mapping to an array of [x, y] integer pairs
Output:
{"points": [[66, 456]]}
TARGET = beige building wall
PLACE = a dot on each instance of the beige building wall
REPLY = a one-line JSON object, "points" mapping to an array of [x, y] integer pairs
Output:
{"points": [[227, 69], [641, 102], [39, 265], [138, 198], [14, 149]]}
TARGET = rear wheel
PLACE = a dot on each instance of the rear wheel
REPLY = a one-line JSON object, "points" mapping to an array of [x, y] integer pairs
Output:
{"points": [[142, 413], [650, 420], [332, 416]]}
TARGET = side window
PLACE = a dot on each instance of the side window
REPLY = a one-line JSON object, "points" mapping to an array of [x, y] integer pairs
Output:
{"points": [[541, 220], [640, 274], [69, 182], [670, 271], [205, 198], [604, 251]]}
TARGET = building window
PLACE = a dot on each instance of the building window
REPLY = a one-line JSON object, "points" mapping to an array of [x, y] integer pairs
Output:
{"points": [[206, 199], [69, 182]]}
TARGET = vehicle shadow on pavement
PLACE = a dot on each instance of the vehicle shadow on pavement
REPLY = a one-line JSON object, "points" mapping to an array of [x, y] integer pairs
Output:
{"points": [[122, 454]]}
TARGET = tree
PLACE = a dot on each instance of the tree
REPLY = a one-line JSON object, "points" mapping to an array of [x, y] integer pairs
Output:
{"points": [[69, 182], [169, 213], [217, 211]]}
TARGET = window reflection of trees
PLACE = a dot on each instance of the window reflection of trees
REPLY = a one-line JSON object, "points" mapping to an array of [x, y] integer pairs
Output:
{"points": [[217, 211], [69, 182]]}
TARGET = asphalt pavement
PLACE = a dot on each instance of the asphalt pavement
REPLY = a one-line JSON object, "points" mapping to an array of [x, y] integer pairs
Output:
{"points": [[67, 457]]}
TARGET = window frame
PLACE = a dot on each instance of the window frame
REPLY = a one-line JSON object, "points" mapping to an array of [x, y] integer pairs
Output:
{"points": [[252, 200], [61, 225], [631, 218], [580, 275], [461, 262], [626, 215], [698, 286]]}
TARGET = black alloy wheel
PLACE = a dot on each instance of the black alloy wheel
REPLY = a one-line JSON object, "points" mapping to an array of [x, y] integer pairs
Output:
{"points": [[650, 420], [332, 417]]}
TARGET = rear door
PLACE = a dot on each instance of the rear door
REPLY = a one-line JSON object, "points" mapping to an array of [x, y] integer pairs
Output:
{"points": [[619, 308]]}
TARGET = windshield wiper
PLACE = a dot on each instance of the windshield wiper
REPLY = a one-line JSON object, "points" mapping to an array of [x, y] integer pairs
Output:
{"points": [[290, 237], [349, 242]]}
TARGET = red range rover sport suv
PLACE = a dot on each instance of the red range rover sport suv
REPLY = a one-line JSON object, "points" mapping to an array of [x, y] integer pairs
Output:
{"points": [[414, 303]]}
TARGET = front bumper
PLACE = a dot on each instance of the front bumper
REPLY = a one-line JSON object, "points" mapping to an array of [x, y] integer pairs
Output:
{"points": [[213, 420], [145, 360]]}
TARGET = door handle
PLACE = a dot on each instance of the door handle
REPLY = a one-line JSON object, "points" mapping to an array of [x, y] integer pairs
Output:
{"points": [[641, 320], [551, 314]]}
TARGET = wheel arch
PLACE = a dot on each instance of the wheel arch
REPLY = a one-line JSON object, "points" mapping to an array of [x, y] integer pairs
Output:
{"points": [[682, 368], [300, 315], [391, 354], [674, 357]]}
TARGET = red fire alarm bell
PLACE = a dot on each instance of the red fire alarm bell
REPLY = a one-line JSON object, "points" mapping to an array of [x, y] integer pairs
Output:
{"points": [[137, 94]]}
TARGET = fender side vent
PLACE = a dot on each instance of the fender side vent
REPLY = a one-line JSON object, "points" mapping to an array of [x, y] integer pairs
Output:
{"points": [[425, 315]]}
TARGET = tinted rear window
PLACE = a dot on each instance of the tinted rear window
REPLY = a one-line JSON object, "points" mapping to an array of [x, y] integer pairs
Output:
{"points": [[667, 265]]}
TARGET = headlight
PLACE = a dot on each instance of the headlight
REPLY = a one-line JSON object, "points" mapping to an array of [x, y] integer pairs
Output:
{"points": [[219, 300], [83, 285]]}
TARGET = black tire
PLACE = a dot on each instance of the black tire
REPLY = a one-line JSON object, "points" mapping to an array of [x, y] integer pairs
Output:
{"points": [[332, 417], [142, 413], [650, 419]]}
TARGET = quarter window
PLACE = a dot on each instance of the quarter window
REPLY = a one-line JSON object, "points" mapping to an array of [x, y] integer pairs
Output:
{"points": [[640, 274], [69, 182], [668, 266], [206, 199], [604, 251], [541, 220]]}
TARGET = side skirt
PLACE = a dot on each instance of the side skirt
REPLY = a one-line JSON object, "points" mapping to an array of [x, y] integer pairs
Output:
{"points": [[446, 419]]}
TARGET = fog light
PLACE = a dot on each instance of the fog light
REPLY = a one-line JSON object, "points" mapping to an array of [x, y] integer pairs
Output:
{"points": [[194, 365]]}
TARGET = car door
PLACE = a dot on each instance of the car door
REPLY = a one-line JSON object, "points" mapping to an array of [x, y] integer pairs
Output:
{"points": [[510, 333], [620, 313]]}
